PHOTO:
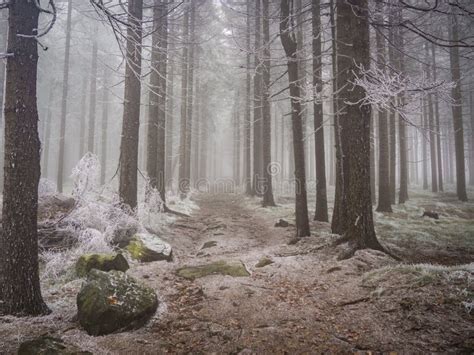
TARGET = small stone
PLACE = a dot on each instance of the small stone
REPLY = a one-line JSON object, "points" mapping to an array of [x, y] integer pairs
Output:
{"points": [[209, 244], [46, 345]]}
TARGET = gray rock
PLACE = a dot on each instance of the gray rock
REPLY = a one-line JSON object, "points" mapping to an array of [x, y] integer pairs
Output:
{"points": [[123, 235], [146, 247], [110, 302], [46, 345], [103, 262]]}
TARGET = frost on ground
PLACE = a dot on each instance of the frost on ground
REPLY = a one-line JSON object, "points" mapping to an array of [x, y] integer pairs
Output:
{"points": [[304, 300]]}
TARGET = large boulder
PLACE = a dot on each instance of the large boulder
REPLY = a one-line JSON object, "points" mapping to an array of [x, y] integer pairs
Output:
{"points": [[46, 345], [146, 247], [110, 302], [103, 262], [123, 235]]}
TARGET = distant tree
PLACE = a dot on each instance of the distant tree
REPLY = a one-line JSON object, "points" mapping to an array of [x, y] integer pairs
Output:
{"points": [[268, 199], [104, 125], [247, 119], [321, 211], [289, 43], [93, 90], [20, 292], [384, 201], [457, 109], [131, 110], [64, 99]]}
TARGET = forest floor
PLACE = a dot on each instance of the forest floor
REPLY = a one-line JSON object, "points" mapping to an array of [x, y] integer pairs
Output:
{"points": [[306, 301]]}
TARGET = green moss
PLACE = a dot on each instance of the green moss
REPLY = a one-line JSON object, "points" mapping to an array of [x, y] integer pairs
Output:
{"points": [[235, 269], [148, 248], [264, 262], [103, 262]]}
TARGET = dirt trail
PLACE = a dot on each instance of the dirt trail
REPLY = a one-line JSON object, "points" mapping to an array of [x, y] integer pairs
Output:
{"points": [[305, 301]]}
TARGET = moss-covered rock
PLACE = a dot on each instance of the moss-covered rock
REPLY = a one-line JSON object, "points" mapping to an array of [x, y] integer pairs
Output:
{"points": [[123, 235], [265, 261], [235, 269], [209, 244], [103, 262], [148, 247], [113, 301], [47, 345]]}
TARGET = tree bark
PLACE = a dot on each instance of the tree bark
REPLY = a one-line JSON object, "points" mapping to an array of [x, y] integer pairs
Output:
{"points": [[268, 199], [64, 99], [131, 111], [290, 46], [353, 25], [247, 119], [93, 93], [438, 130], [82, 117], [20, 291], [183, 184], [104, 129], [457, 110], [384, 200], [321, 211]]}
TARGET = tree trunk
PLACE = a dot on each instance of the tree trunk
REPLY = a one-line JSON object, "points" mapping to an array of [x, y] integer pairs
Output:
{"points": [[247, 119], [424, 149], [47, 136], [321, 211], [384, 200], [257, 107], [131, 111], [105, 119], [457, 110], [64, 99], [93, 93], [432, 127], [471, 154], [353, 25], [82, 117], [3, 48], [268, 200], [190, 93], [183, 184], [20, 291], [392, 116], [290, 45], [438, 130]]}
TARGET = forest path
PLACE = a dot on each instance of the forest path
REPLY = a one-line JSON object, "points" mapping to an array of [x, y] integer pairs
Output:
{"points": [[304, 302]]}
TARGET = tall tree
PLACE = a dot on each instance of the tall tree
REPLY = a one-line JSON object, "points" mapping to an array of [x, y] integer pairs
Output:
{"points": [[183, 183], [268, 199], [384, 201], [93, 91], [353, 25], [82, 117], [20, 292], [290, 46], [457, 109], [64, 99], [104, 124], [257, 105], [321, 211], [247, 119], [438, 130], [131, 110], [431, 126]]}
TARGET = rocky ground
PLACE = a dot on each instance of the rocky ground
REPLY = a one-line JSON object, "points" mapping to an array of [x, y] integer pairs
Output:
{"points": [[281, 298]]}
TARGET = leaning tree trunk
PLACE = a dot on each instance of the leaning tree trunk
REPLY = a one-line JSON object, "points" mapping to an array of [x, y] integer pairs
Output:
{"points": [[20, 292], [290, 45], [353, 24], [384, 201], [268, 199], [457, 110], [64, 99], [131, 110], [321, 211]]}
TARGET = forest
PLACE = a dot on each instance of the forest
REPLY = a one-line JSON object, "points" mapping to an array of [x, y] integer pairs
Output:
{"points": [[236, 176]]}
